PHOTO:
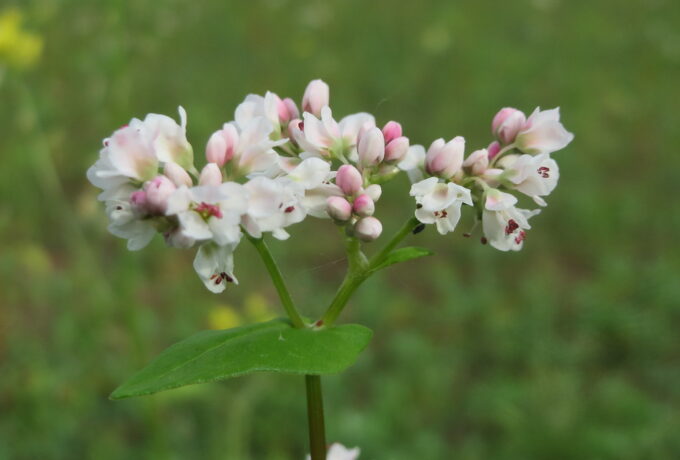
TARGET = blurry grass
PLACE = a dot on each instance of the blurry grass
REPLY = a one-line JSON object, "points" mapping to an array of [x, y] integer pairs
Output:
{"points": [[567, 350]]}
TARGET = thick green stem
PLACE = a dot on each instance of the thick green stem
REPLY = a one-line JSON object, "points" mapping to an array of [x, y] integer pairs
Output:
{"points": [[357, 275], [317, 431], [277, 279]]}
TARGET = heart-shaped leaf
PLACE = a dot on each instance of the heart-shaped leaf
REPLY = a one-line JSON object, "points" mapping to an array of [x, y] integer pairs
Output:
{"points": [[274, 346], [401, 255]]}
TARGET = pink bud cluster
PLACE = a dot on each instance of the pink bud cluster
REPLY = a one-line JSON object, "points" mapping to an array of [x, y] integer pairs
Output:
{"points": [[357, 205]]}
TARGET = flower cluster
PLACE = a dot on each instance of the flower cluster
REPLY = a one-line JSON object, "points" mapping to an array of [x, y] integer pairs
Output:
{"points": [[274, 165]]}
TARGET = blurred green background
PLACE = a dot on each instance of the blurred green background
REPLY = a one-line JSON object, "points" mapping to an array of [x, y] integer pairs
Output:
{"points": [[566, 350]]}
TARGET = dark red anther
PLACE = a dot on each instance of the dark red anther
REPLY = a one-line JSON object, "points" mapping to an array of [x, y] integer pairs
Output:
{"points": [[209, 210], [319, 323], [519, 238], [289, 209], [543, 172], [484, 240], [511, 227], [226, 277]]}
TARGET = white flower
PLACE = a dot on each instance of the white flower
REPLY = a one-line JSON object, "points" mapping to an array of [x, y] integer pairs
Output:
{"points": [[543, 133], [167, 138], [126, 222], [134, 153], [326, 137], [255, 106], [210, 212], [254, 152], [414, 163], [439, 203], [535, 176], [214, 264], [505, 225], [272, 205], [340, 452]]}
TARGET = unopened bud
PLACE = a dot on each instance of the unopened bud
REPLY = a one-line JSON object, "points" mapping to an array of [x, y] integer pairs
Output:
{"points": [[158, 190], [371, 148], [368, 229], [138, 201], [391, 131], [349, 180], [221, 145], [317, 95], [445, 159], [210, 175], [177, 174], [477, 162], [338, 208], [396, 149], [374, 191], [364, 206], [493, 149], [507, 123], [287, 110]]}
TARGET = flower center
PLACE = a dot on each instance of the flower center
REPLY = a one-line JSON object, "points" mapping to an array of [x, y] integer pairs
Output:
{"points": [[208, 210], [543, 172], [511, 227], [441, 214], [520, 237], [217, 278]]}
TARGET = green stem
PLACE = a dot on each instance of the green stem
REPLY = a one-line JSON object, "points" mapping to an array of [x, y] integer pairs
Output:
{"points": [[277, 279], [317, 431], [356, 276]]}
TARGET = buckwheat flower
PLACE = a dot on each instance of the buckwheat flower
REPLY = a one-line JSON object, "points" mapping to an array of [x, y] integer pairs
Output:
{"points": [[214, 264], [363, 206], [127, 157], [210, 175], [167, 138], [374, 191], [477, 162], [396, 149], [368, 229], [413, 163], [210, 212], [349, 180], [439, 203], [507, 123], [326, 137], [316, 97], [177, 174], [371, 148], [338, 208], [157, 193], [543, 133], [535, 176], [444, 159], [279, 112], [126, 220], [339, 452], [222, 144], [271, 207], [391, 131], [505, 225], [253, 153]]}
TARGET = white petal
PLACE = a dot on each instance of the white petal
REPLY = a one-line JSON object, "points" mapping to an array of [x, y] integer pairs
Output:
{"points": [[311, 173]]}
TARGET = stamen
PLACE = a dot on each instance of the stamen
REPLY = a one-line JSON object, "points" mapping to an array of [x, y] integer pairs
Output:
{"points": [[519, 238], [511, 227], [208, 210], [289, 209], [543, 172]]}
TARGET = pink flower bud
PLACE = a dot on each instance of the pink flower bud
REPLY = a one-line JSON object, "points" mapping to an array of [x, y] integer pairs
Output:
{"points": [[364, 206], [493, 149], [391, 131], [477, 162], [507, 123], [371, 148], [338, 208], [287, 110], [210, 175], [374, 191], [138, 201], [349, 180], [177, 174], [158, 190], [396, 149], [368, 228], [221, 145], [316, 97], [445, 159]]}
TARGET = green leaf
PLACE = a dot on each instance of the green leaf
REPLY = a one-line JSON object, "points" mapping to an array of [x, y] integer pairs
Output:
{"points": [[402, 255], [273, 346]]}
